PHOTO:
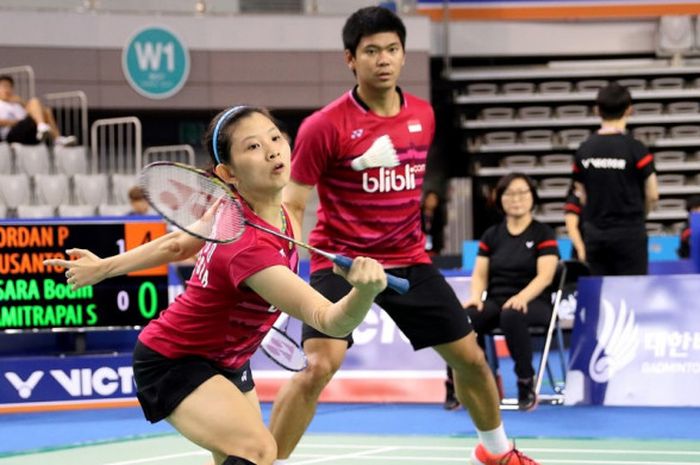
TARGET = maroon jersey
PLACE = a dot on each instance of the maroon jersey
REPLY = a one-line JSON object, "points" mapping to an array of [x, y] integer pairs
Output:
{"points": [[218, 317], [374, 212]]}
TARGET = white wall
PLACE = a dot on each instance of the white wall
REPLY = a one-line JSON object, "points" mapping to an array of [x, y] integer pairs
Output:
{"points": [[509, 38], [240, 32], [322, 32]]}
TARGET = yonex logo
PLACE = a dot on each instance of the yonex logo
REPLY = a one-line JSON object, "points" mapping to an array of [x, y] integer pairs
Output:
{"points": [[529, 244], [280, 348], [618, 340], [356, 134]]}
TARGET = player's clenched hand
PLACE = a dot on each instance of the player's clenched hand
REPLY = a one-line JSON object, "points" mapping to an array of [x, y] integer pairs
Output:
{"points": [[84, 269], [365, 274]]}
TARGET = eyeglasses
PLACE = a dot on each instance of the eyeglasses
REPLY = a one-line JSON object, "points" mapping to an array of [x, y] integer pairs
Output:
{"points": [[514, 194]]}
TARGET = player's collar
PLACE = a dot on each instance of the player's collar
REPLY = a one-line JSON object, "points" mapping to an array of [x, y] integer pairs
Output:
{"points": [[360, 102]]}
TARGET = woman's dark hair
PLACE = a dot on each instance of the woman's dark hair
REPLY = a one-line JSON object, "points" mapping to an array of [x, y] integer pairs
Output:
{"points": [[613, 101], [217, 139], [368, 21], [505, 181]]}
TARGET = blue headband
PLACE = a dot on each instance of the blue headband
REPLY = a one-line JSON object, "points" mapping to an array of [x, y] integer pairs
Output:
{"points": [[222, 120]]}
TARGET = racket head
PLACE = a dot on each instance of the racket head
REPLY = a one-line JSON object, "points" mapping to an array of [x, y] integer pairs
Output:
{"points": [[193, 200], [283, 350]]}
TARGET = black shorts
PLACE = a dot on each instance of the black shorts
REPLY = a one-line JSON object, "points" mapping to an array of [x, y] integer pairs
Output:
{"points": [[162, 383], [24, 132], [429, 314]]}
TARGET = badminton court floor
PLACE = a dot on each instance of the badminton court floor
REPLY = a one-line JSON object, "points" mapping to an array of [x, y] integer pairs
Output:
{"points": [[171, 449]]}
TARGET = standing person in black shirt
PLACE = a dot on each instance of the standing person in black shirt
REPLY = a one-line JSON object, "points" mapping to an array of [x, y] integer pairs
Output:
{"points": [[572, 220], [614, 178], [693, 206], [516, 263]]}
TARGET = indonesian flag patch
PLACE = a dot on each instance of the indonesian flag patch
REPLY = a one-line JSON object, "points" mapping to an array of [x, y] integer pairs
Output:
{"points": [[414, 126]]}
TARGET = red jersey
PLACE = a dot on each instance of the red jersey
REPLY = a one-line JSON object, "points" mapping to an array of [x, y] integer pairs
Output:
{"points": [[374, 212], [218, 317]]}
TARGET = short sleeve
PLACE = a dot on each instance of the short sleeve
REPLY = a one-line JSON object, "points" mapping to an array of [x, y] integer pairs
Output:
{"points": [[258, 254], [577, 169], [315, 145], [487, 242], [644, 161], [572, 204], [546, 241]]}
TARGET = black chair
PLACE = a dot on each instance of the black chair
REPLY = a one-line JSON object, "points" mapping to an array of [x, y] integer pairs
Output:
{"points": [[564, 284]]}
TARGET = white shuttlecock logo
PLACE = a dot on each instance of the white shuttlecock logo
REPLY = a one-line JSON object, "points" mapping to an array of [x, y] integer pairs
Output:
{"points": [[380, 154], [618, 339]]}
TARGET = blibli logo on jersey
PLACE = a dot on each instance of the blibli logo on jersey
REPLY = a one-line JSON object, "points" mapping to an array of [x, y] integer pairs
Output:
{"points": [[389, 180]]}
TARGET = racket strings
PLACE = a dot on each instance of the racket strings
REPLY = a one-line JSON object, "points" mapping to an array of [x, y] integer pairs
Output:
{"points": [[193, 201]]}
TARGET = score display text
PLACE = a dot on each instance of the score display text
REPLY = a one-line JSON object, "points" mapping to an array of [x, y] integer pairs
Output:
{"points": [[34, 296]]}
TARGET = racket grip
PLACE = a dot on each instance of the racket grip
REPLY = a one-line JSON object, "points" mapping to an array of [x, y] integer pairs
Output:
{"points": [[400, 285]]}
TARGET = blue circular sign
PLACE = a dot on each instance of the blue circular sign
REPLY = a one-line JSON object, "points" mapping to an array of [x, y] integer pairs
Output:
{"points": [[155, 63]]}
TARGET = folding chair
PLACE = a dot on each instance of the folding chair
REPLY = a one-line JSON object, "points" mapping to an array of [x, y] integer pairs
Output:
{"points": [[563, 285]]}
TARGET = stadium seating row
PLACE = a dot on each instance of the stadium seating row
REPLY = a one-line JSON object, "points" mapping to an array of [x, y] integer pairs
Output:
{"points": [[587, 85], [42, 195], [582, 111]]}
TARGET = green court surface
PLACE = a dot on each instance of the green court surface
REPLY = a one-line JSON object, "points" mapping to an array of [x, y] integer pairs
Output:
{"points": [[375, 450]]}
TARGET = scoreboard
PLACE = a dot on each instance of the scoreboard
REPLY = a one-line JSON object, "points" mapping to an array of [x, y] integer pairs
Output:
{"points": [[34, 296]]}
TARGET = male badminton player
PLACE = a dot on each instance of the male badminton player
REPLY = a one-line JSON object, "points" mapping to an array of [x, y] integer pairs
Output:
{"points": [[376, 212]]}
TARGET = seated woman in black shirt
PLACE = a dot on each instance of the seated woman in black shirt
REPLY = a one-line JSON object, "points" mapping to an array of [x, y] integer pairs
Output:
{"points": [[516, 263]]}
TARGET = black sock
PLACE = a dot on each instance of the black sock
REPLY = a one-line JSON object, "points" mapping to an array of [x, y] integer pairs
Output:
{"points": [[231, 460]]}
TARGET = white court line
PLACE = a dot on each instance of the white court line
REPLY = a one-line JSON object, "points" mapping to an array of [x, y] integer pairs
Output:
{"points": [[160, 458], [423, 459], [614, 462], [347, 456], [526, 449]]}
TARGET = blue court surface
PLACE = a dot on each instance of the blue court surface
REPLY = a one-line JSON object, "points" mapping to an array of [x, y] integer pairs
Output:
{"points": [[379, 433]]}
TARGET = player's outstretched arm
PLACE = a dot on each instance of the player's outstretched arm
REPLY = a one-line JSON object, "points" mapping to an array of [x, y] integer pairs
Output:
{"points": [[85, 268], [285, 290]]}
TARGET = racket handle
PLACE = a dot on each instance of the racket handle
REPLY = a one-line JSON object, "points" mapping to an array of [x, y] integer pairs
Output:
{"points": [[400, 285]]}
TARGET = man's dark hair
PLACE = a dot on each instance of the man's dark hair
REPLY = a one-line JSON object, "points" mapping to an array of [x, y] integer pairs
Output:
{"points": [[613, 101], [8, 78], [368, 21], [692, 202]]}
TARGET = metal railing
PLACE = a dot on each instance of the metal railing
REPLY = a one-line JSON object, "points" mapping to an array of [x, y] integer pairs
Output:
{"points": [[116, 145], [71, 112], [176, 153]]}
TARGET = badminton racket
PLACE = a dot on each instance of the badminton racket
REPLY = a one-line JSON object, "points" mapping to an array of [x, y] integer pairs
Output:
{"points": [[203, 206], [281, 348]]}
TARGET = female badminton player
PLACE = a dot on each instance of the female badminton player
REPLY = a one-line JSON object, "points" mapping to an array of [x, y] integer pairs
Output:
{"points": [[191, 364]]}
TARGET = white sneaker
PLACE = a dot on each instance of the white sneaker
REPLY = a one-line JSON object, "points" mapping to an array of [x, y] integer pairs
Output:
{"points": [[43, 132], [66, 141]]}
